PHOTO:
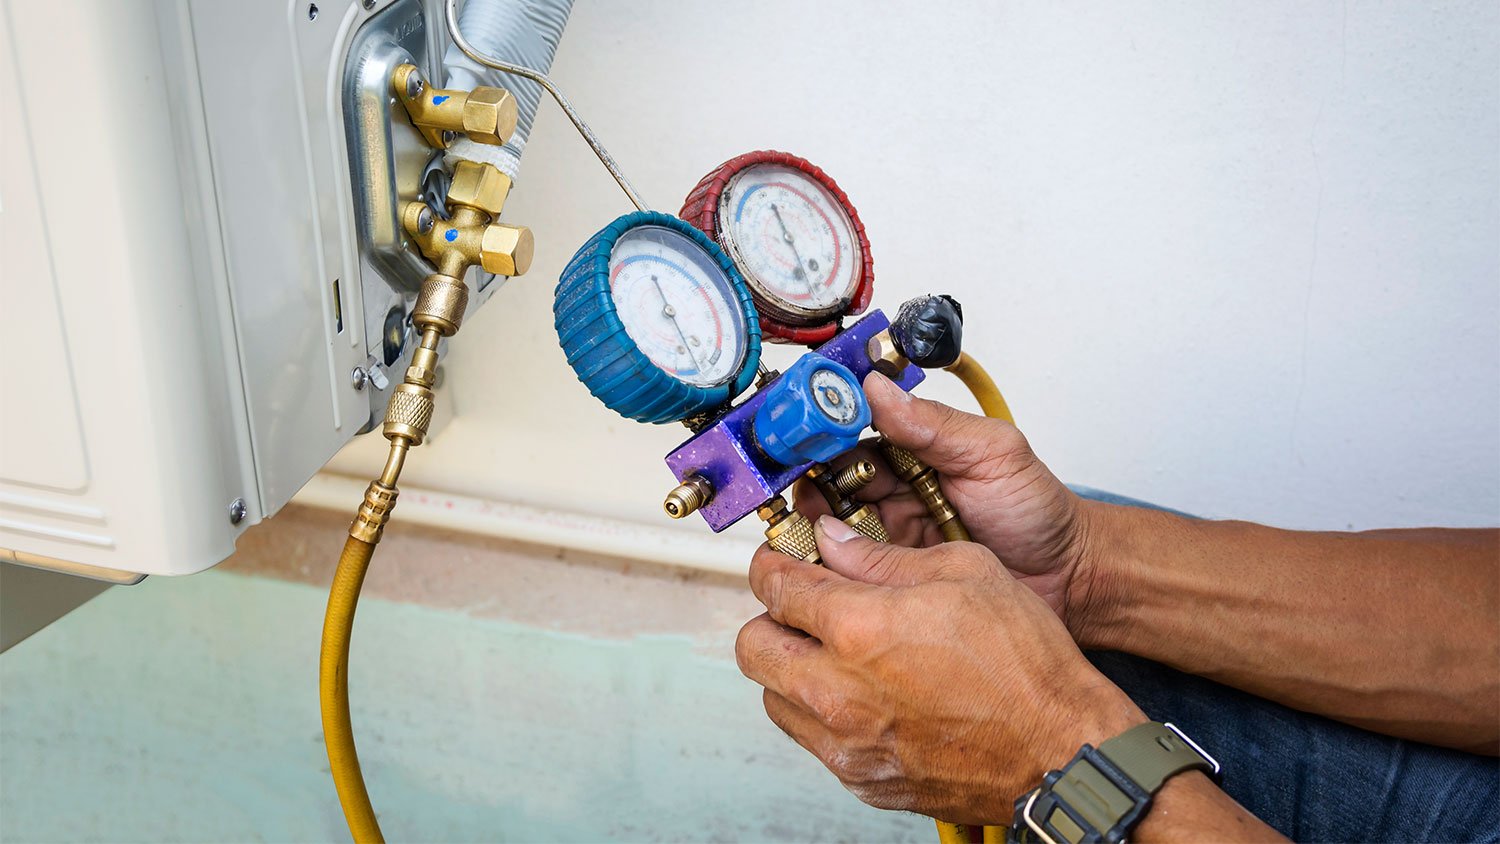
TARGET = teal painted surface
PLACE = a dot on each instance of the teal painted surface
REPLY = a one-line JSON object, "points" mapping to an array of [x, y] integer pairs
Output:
{"points": [[186, 710]]}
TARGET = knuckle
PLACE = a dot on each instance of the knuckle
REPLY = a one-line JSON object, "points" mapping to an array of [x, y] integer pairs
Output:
{"points": [[858, 631]]}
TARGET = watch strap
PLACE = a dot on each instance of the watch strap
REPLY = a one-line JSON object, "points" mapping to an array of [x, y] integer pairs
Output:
{"points": [[1151, 753], [1103, 792]]}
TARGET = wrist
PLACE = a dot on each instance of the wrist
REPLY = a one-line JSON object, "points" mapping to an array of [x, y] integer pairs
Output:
{"points": [[1098, 581]]}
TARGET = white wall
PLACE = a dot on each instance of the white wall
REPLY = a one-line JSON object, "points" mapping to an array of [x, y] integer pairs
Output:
{"points": [[1238, 258]]}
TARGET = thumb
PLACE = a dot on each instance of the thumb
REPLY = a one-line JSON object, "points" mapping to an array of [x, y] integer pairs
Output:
{"points": [[858, 557], [948, 440]]}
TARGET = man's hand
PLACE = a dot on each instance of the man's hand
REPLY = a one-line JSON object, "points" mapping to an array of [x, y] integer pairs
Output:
{"points": [[925, 679], [1009, 500]]}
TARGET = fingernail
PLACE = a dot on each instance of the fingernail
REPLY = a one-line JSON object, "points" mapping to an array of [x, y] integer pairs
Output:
{"points": [[835, 529], [884, 384]]}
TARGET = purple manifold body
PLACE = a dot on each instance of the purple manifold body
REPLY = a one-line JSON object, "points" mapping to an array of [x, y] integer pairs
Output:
{"points": [[725, 454]]}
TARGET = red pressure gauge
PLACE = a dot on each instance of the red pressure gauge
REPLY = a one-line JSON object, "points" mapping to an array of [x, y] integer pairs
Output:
{"points": [[795, 238]]}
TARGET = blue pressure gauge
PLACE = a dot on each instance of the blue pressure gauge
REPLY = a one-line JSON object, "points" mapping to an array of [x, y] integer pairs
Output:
{"points": [[814, 412], [655, 319]]}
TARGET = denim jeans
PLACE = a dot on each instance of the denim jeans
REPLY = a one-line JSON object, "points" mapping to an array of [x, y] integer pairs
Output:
{"points": [[1312, 778]]}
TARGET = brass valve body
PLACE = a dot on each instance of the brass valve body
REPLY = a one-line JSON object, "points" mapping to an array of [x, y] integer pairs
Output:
{"points": [[483, 115], [470, 236]]}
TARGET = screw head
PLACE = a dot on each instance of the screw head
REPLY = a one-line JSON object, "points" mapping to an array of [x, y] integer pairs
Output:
{"points": [[368, 4], [237, 511], [358, 378], [415, 84], [425, 220]]}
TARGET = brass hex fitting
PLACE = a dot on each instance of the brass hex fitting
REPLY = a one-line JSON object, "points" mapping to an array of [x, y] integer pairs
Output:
{"points": [[788, 531], [506, 250], [490, 115], [688, 496], [373, 513], [480, 186], [884, 356], [484, 115], [423, 368]]}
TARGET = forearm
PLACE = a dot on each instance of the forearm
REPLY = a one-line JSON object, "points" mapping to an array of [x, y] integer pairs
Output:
{"points": [[1394, 631]]}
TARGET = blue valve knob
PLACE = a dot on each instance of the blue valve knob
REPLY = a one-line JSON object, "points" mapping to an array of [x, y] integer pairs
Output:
{"points": [[814, 412]]}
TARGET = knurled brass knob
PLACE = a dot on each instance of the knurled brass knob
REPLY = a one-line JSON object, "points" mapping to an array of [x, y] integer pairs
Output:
{"points": [[867, 523], [506, 250], [789, 532]]}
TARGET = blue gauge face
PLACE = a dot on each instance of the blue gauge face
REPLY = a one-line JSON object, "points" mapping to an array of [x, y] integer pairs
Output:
{"points": [[678, 306]]}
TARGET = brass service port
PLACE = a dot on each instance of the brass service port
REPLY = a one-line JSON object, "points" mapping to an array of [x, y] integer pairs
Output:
{"points": [[688, 496], [484, 115]]}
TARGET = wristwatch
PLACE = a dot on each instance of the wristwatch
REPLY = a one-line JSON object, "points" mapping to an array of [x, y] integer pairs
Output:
{"points": [[1101, 794]]}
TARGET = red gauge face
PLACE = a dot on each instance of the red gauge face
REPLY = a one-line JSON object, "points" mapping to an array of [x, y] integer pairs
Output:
{"points": [[791, 240], [794, 237]]}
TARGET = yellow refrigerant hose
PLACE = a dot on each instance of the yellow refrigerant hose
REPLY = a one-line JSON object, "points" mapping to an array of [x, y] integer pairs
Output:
{"points": [[333, 690], [924, 481], [982, 386]]}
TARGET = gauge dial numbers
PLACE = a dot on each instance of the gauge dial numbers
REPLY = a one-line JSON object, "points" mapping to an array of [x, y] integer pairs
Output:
{"points": [[795, 238], [677, 305], [792, 240], [655, 320]]}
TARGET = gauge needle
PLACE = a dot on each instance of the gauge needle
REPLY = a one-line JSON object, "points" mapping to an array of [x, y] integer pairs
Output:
{"points": [[671, 313], [786, 235]]}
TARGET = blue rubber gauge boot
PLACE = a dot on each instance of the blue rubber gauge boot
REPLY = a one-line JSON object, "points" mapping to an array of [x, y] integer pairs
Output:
{"points": [[814, 412]]}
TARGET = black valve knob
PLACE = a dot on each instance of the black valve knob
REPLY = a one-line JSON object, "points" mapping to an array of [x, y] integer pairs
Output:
{"points": [[929, 330]]}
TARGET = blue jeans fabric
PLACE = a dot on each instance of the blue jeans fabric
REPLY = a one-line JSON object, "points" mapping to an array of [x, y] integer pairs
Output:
{"points": [[1312, 778]]}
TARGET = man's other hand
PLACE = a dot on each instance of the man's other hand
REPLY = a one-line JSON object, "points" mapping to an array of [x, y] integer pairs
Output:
{"points": [[926, 679], [1009, 500]]}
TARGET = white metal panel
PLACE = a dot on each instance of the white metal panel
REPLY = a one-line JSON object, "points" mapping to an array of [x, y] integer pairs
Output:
{"points": [[129, 343]]}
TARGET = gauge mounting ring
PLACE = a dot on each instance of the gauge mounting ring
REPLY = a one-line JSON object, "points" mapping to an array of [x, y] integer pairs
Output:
{"points": [[608, 361], [701, 209]]}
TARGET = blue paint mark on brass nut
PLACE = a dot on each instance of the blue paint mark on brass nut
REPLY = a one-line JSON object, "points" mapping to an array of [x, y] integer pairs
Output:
{"points": [[450, 235], [440, 99]]}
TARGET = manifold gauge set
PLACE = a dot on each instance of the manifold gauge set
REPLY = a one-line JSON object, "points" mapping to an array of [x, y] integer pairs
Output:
{"points": [[663, 317]]}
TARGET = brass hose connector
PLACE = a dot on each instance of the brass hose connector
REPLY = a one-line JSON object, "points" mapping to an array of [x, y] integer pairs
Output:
{"points": [[788, 531], [688, 496], [924, 482], [373, 513], [484, 115], [467, 238]]}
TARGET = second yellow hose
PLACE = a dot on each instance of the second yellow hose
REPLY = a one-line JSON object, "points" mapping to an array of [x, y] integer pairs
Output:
{"points": [[982, 386], [333, 691]]}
